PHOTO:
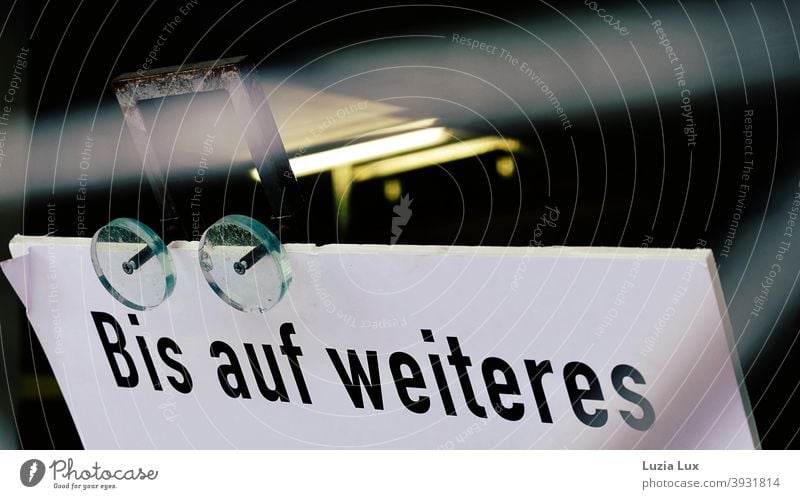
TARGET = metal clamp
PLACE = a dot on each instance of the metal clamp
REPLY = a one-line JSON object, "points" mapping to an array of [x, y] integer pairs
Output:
{"points": [[237, 77]]}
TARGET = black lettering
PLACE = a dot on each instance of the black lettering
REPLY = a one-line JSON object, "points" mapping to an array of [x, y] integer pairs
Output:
{"points": [[116, 348], [292, 353], [165, 345], [535, 374], [396, 362], [358, 377], [495, 389], [577, 395], [461, 362], [441, 383], [271, 394], [618, 375], [231, 369], [148, 362]]}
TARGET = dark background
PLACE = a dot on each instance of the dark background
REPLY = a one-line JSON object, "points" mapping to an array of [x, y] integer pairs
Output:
{"points": [[622, 172]]}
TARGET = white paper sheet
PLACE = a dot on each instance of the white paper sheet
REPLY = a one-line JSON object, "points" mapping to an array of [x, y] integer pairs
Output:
{"points": [[657, 312]]}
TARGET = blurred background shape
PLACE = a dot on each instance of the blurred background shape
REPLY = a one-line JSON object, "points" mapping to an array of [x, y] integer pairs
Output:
{"points": [[428, 124]]}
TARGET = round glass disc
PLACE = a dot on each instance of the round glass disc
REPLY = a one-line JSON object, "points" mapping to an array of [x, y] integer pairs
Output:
{"points": [[245, 263], [133, 263]]}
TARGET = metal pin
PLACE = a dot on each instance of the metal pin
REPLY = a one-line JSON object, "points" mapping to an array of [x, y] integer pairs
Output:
{"points": [[137, 260], [250, 259]]}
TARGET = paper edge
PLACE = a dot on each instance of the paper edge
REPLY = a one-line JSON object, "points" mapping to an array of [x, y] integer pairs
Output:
{"points": [[20, 244], [735, 359]]}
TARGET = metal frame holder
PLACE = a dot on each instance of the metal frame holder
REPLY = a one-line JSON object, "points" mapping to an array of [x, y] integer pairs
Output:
{"points": [[237, 77], [134, 264]]}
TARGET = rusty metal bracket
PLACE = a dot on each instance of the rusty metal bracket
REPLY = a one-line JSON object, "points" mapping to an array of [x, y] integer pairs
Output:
{"points": [[236, 76]]}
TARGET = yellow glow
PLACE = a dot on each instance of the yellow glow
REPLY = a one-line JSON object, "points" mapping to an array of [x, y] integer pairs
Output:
{"points": [[254, 175], [366, 151], [412, 125], [505, 166], [434, 156], [392, 190]]}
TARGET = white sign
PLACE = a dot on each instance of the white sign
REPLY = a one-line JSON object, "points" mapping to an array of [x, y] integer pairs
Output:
{"points": [[399, 347]]}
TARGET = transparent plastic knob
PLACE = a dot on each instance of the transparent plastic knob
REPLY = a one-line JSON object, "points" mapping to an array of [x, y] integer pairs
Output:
{"points": [[245, 263], [133, 263]]}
